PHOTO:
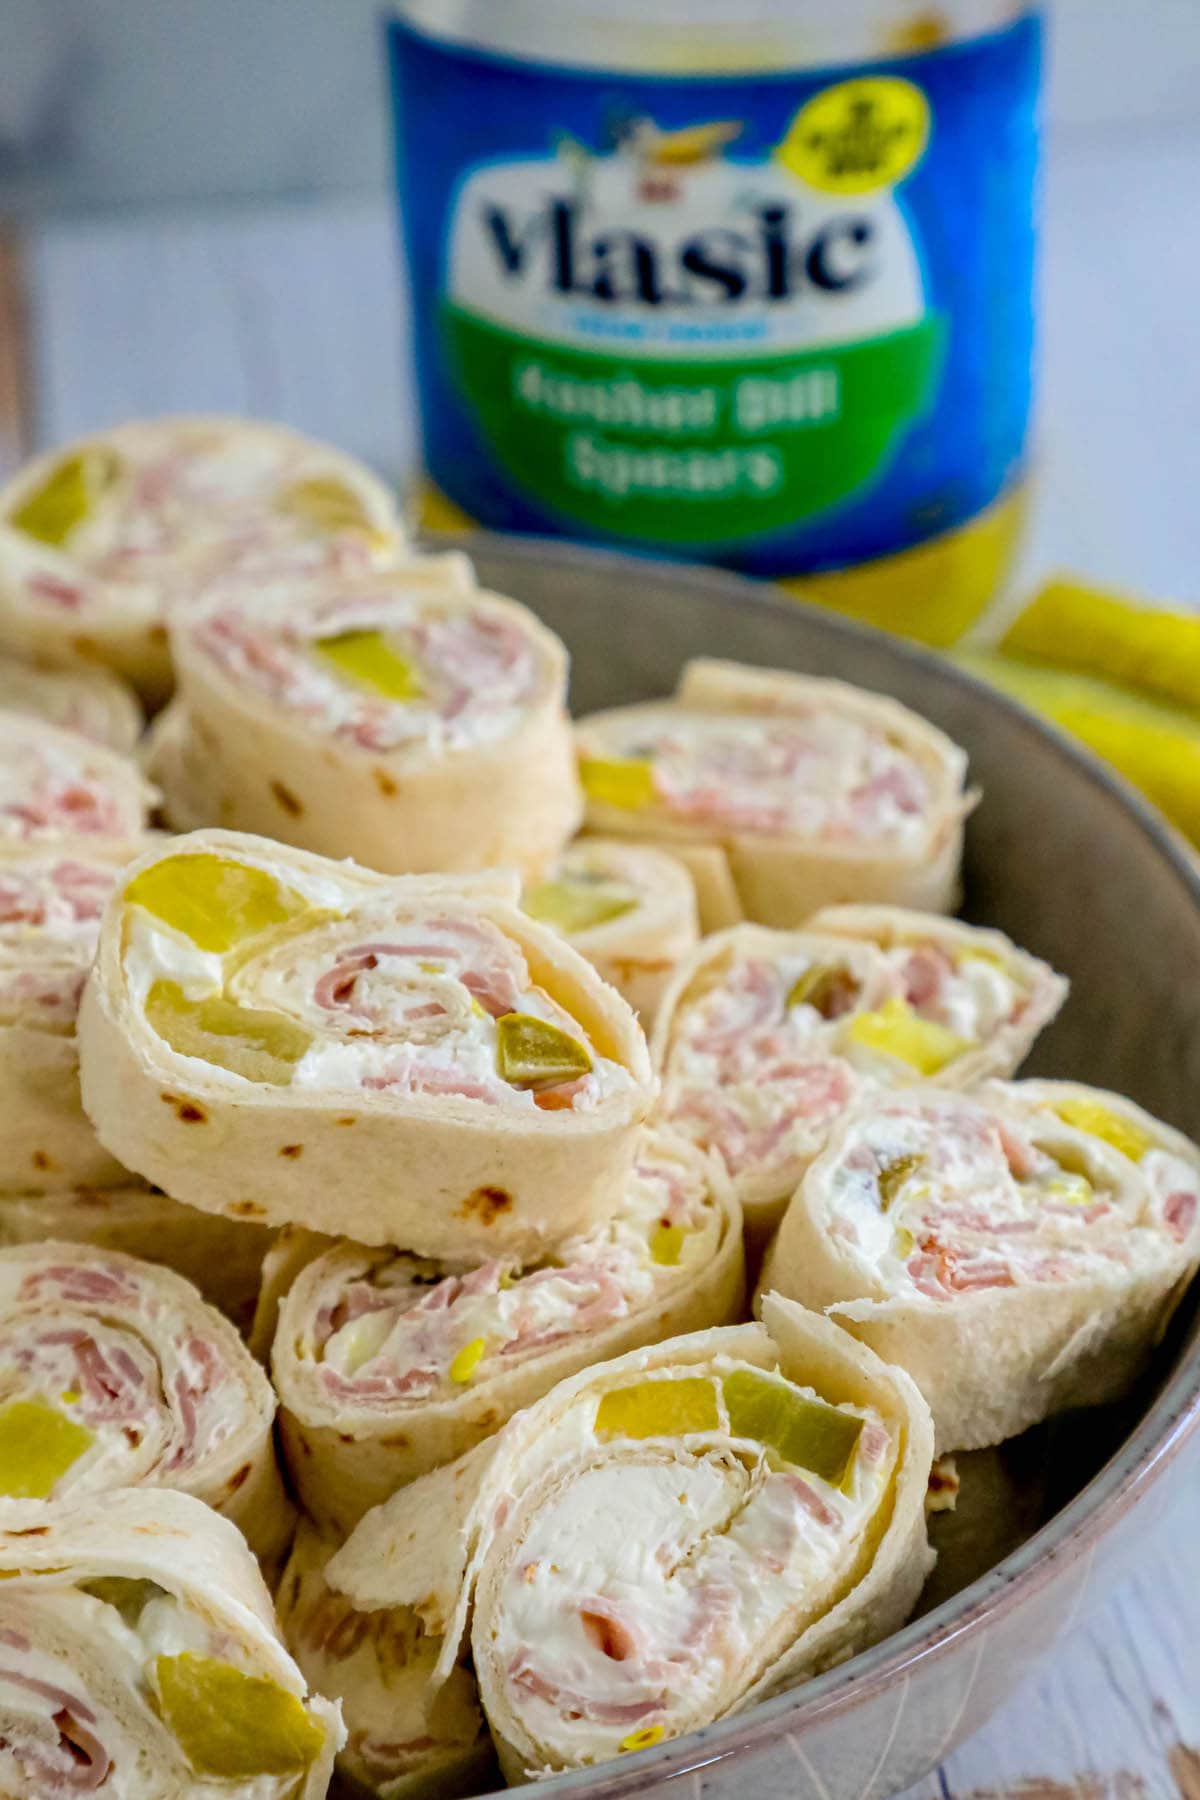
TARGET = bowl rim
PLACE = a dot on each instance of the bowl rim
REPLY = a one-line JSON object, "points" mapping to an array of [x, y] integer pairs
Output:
{"points": [[1153, 1444]]}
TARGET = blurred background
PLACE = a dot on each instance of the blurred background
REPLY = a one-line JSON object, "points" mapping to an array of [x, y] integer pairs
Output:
{"points": [[196, 213]]}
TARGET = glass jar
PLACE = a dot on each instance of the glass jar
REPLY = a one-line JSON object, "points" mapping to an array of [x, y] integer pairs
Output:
{"points": [[741, 281]]}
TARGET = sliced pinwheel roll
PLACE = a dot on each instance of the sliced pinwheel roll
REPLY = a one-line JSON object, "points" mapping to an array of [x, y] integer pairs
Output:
{"points": [[56, 785], [100, 539], [277, 1037], [665, 1538], [629, 909], [401, 717], [764, 1038], [139, 1657], [115, 1373], [813, 792], [222, 1257], [405, 1736], [387, 1365], [1018, 1250], [51, 902], [91, 702]]}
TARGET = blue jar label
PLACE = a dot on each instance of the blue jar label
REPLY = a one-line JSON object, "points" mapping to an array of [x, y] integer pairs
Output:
{"points": [[782, 321]]}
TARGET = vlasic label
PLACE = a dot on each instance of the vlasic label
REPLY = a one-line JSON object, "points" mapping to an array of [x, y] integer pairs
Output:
{"points": [[781, 321]]}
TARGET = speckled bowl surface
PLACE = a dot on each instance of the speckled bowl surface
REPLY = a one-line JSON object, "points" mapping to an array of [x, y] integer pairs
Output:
{"points": [[1066, 859]]}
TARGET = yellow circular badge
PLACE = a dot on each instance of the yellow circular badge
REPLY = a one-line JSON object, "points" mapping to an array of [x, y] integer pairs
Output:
{"points": [[858, 136]]}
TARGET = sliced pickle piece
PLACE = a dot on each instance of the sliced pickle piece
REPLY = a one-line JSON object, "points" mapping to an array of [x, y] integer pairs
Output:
{"points": [[666, 1244], [359, 1343], [212, 900], [369, 660], [127, 1594], [806, 1433], [893, 1175], [572, 904], [530, 1051], [261, 1046], [821, 987], [233, 1725], [660, 1408], [897, 1031], [1101, 1122], [38, 1444], [326, 503], [623, 781], [468, 1359], [65, 497], [1070, 1187]]}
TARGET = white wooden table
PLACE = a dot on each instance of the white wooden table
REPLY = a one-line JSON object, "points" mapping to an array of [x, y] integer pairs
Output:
{"points": [[295, 314]]}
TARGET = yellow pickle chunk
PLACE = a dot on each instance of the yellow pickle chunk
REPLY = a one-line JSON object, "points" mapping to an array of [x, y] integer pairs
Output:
{"points": [[468, 1359], [212, 900], [530, 1051], [65, 496], [38, 1444], [574, 905], [659, 1408], [625, 781], [367, 659], [897, 1031], [666, 1244], [1101, 1122], [233, 1725], [806, 1433], [262, 1046], [325, 503]]}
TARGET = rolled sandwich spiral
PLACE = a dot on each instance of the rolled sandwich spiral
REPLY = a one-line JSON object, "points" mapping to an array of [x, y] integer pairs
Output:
{"points": [[629, 909], [91, 702], [764, 1038], [404, 1735], [665, 1538], [276, 1037], [98, 540], [783, 791], [139, 1656], [1018, 1250], [401, 717], [114, 1373], [387, 1365], [56, 785]]}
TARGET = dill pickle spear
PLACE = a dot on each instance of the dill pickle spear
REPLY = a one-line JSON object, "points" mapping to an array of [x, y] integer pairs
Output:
{"points": [[897, 1031], [573, 905], [262, 1046], [659, 1408], [806, 1433], [65, 496], [622, 781], [233, 1725], [325, 503], [367, 659], [530, 1051], [1101, 1122], [38, 1444], [212, 900]]}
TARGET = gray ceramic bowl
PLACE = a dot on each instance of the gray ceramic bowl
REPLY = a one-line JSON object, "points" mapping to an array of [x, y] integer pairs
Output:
{"points": [[1067, 860]]}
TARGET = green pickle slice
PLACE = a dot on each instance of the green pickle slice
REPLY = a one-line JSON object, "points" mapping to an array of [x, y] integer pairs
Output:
{"points": [[212, 900], [574, 904], [327, 504], [897, 1031], [806, 1433], [893, 1175], [530, 1051], [818, 986], [65, 497], [233, 1725], [38, 1444], [367, 659], [622, 781], [659, 1408], [262, 1046]]}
